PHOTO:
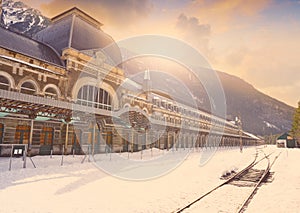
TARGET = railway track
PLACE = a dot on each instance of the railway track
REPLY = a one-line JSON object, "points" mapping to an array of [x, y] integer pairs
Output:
{"points": [[239, 188], [263, 177]]}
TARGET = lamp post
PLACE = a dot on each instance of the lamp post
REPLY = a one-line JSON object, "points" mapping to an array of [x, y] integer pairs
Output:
{"points": [[239, 124], [132, 135], [32, 117]]}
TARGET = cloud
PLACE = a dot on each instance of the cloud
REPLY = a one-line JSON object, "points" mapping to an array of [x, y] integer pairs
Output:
{"points": [[236, 57], [269, 68], [192, 26], [288, 94], [195, 33], [223, 15], [246, 38], [120, 13], [231, 7], [35, 3], [240, 7], [269, 60]]}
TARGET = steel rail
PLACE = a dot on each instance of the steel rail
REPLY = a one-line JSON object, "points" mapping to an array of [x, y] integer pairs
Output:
{"points": [[219, 186], [263, 177]]}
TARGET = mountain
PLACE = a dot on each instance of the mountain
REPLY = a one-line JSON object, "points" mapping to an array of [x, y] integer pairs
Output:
{"points": [[260, 114], [20, 18]]}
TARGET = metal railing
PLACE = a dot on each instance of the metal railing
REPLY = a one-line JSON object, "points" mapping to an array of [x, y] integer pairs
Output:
{"points": [[50, 102]]}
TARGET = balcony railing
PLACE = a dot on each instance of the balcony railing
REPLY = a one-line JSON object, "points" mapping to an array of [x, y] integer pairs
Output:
{"points": [[42, 101]]}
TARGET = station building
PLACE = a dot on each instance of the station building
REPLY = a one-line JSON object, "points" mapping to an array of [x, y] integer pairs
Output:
{"points": [[50, 84]]}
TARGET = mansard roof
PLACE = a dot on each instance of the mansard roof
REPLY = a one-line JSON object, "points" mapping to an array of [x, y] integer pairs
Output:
{"points": [[76, 11], [26, 46], [76, 29]]}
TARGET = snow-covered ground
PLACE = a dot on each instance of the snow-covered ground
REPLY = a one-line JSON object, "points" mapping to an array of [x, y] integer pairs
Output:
{"points": [[230, 197], [283, 194], [83, 187]]}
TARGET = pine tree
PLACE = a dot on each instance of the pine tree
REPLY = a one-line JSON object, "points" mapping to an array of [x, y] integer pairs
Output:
{"points": [[295, 131]]}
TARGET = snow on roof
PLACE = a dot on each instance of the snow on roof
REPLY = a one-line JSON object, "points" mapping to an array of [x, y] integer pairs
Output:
{"points": [[284, 136], [251, 135], [131, 85], [28, 64]]}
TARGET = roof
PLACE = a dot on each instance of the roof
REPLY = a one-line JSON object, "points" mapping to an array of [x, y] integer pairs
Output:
{"points": [[29, 47], [28, 64], [78, 12], [131, 85], [251, 135], [284, 136], [75, 29]]}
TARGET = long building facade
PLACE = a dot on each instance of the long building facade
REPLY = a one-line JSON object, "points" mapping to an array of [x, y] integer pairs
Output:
{"points": [[58, 93]]}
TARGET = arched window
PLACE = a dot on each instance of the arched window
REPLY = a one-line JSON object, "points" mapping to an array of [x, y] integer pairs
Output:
{"points": [[94, 97], [28, 88], [51, 93], [4, 83]]}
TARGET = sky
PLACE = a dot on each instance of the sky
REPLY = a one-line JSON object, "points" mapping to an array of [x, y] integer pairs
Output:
{"points": [[256, 40]]}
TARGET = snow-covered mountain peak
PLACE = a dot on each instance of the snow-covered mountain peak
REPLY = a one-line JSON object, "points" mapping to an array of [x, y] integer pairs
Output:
{"points": [[21, 18]]}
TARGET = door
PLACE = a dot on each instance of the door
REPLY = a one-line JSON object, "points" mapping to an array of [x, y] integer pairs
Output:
{"points": [[46, 140], [76, 142], [22, 134], [290, 143], [1, 133], [109, 140]]}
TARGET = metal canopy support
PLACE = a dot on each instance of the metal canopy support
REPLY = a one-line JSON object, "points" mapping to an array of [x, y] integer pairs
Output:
{"points": [[93, 138], [67, 137], [31, 133]]}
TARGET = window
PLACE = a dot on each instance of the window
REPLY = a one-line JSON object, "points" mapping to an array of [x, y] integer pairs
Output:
{"points": [[158, 102], [28, 88], [4, 83], [155, 101], [50, 93], [163, 103], [94, 97], [176, 109]]}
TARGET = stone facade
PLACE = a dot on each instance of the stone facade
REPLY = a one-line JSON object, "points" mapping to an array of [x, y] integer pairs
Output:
{"points": [[68, 100]]}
